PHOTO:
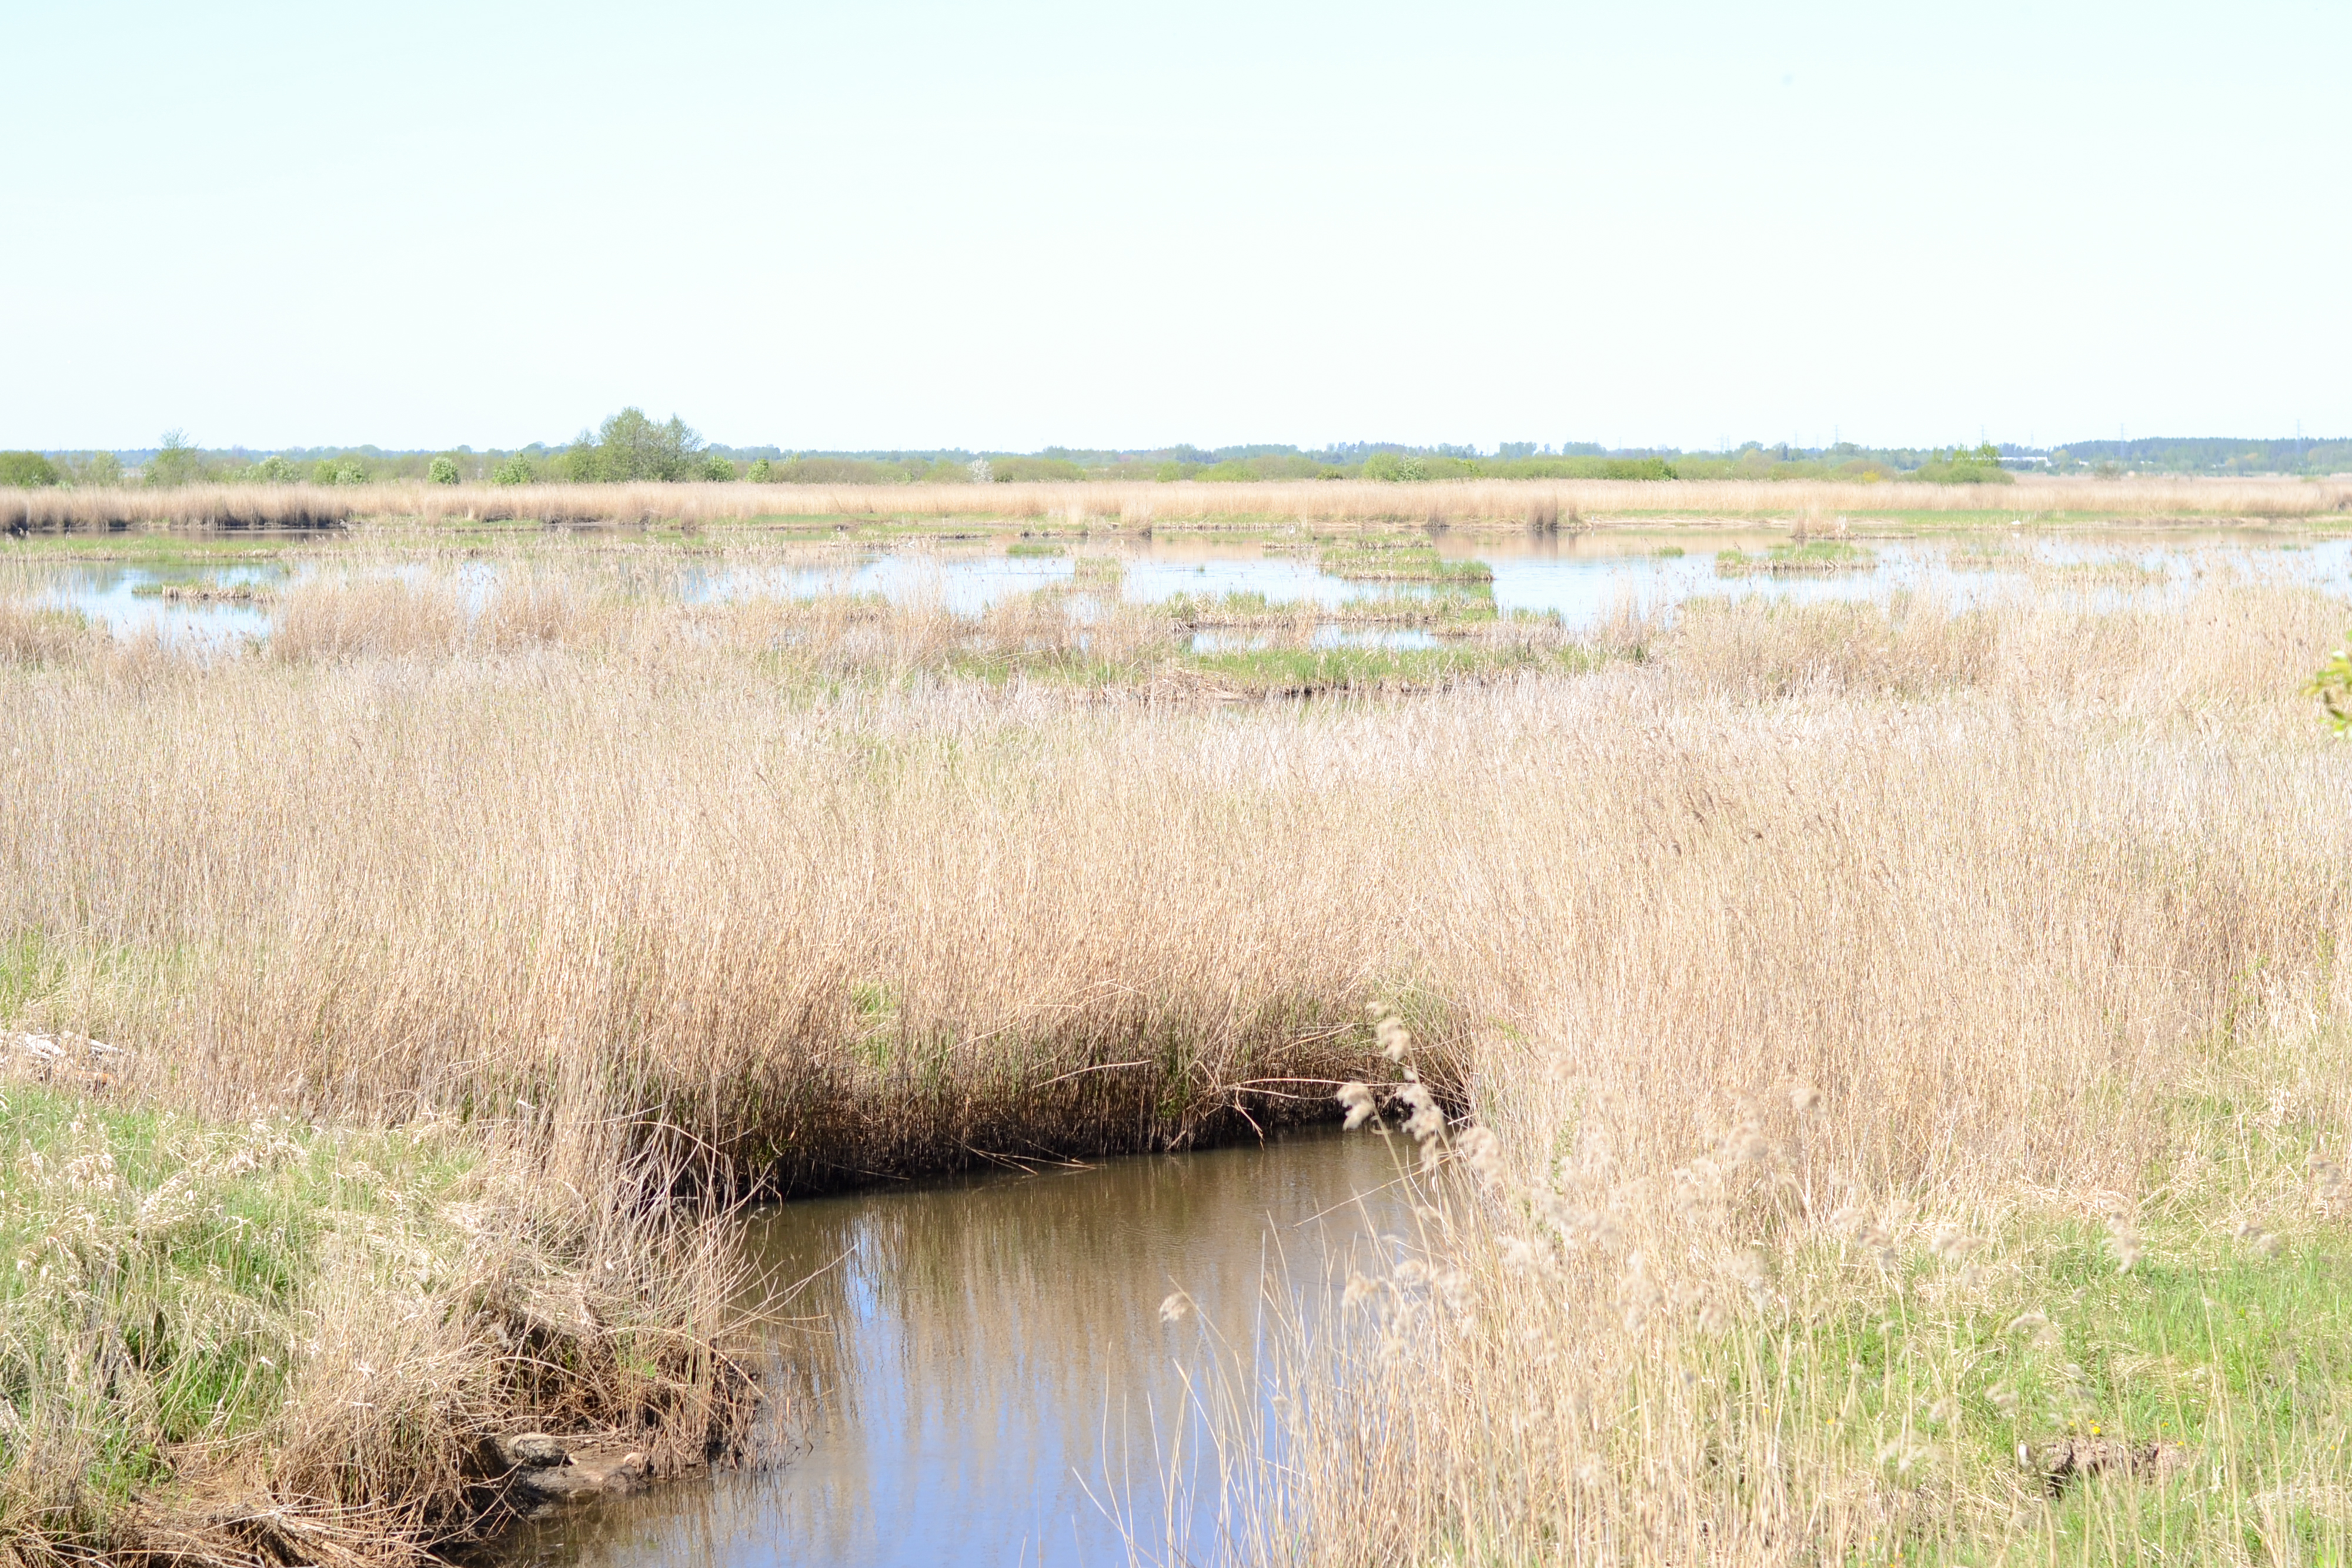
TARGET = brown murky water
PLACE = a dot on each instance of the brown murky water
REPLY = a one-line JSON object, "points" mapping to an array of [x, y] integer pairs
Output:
{"points": [[980, 1372]]}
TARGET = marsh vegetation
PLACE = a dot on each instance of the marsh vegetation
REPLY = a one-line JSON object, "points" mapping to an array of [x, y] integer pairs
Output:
{"points": [[1545, 505], [1848, 1040]]}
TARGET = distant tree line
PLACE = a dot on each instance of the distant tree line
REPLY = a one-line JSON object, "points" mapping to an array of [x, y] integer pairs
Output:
{"points": [[2202, 455], [633, 447], [628, 448]]}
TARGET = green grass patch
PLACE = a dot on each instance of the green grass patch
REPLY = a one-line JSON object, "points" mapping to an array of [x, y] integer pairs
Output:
{"points": [[1306, 671], [203, 592], [1401, 563], [1455, 604], [1816, 557], [153, 1268], [2234, 1355]]}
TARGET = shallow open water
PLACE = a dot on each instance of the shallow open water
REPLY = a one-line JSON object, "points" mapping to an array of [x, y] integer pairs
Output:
{"points": [[1581, 578], [979, 1372]]}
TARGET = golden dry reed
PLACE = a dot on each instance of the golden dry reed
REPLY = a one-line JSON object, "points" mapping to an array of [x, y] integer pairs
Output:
{"points": [[1104, 505], [1811, 931], [1903, 1131]]}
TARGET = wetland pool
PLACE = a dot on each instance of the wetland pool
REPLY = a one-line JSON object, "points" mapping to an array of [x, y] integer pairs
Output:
{"points": [[978, 1372], [1581, 579]]}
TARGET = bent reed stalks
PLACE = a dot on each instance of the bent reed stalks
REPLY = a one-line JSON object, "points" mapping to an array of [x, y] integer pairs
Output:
{"points": [[2021, 893]]}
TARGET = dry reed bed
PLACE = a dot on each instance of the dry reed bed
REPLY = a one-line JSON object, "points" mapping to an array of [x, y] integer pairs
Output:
{"points": [[1097, 504], [611, 608], [1902, 1090], [832, 935], [1993, 883]]}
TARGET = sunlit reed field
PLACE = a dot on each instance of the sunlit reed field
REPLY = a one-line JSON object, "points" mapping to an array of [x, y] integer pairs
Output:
{"points": [[1547, 504], [1851, 1042]]}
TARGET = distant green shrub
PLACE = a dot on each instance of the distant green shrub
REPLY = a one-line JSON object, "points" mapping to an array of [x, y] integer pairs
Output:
{"points": [[1034, 470], [27, 470], [1572, 467], [273, 469], [1396, 469], [1273, 465], [717, 470], [631, 446], [1975, 465], [88, 469], [175, 463], [339, 471], [515, 470], [835, 471], [1646, 468], [442, 471], [580, 463], [763, 472]]}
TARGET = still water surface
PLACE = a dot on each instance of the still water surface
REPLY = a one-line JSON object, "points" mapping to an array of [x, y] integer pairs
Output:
{"points": [[1581, 578], [979, 1372]]}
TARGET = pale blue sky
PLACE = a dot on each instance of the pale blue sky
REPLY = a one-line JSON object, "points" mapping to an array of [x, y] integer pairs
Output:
{"points": [[910, 224]]}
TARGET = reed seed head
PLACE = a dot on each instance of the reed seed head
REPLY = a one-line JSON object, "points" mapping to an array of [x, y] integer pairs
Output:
{"points": [[1749, 1269], [1953, 1244], [2124, 1242], [2037, 1328], [1483, 1151]]}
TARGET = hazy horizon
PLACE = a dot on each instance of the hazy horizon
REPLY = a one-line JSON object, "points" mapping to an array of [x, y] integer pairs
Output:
{"points": [[1481, 449]]}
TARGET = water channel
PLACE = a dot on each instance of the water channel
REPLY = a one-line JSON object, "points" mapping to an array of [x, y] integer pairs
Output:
{"points": [[979, 1372]]}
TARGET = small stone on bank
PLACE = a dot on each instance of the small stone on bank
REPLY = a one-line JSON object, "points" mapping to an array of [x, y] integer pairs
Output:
{"points": [[529, 1451]]}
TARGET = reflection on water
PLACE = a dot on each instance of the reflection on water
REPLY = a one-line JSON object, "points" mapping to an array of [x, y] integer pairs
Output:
{"points": [[128, 600], [1581, 578], [981, 1367]]}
